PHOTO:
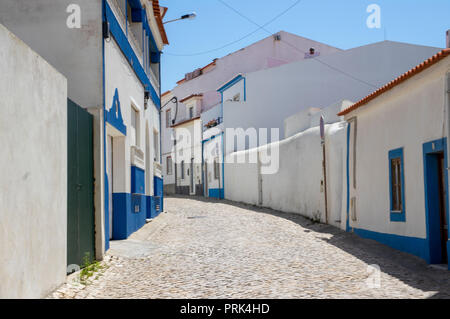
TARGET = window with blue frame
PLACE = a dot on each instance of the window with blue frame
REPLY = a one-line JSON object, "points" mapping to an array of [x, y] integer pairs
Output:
{"points": [[397, 185]]}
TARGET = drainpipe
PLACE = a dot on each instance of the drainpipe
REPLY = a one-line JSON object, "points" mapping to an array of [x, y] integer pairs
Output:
{"points": [[324, 164], [353, 127], [447, 106], [160, 139], [325, 181], [223, 164]]}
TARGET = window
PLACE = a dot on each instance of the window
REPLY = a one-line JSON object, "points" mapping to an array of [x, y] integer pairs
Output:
{"points": [[216, 169], [168, 118], [169, 165], [135, 128], [156, 146], [129, 13], [191, 112], [397, 185], [182, 169]]}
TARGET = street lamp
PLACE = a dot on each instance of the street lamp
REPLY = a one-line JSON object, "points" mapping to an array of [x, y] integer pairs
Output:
{"points": [[190, 16]]}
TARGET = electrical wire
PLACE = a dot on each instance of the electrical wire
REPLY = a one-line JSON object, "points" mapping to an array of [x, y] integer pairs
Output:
{"points": [[295, 48], [239, 40]]}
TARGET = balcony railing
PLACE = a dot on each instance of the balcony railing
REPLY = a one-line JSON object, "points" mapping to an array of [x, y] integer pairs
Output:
{"points": [[125, 25], [135, 44], [153, 78], [118, 11], [137, 157]]}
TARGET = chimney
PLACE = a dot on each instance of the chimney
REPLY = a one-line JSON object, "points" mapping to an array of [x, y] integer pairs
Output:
{"points": [[448, 39]]}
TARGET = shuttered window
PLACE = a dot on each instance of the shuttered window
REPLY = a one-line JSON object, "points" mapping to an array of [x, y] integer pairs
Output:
{"points": [[397, 185]]}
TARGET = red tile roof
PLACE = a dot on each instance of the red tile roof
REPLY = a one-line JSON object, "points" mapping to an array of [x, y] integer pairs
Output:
{"points": [[165, 93], [190, 97], [206, 66], [421, 67], [159, 17], [184, 122]]}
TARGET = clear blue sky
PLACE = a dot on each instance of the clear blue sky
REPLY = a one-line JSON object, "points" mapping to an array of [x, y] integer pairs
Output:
{"points": [[340, 23]]}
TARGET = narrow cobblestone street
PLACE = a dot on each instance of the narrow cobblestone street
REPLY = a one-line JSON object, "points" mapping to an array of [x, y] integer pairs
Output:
{"points": [[219, 249]]}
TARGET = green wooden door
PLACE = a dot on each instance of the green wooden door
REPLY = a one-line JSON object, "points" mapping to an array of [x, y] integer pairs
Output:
{"points": [[80, 196]]}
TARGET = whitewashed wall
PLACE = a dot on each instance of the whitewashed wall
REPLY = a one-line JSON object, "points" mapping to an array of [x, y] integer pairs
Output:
{"points": [[277, 93], [297, 186], [119, 75], [212, 150], [166, 138], [186, 151], [410, 115], [241, 179], [33, 175]]}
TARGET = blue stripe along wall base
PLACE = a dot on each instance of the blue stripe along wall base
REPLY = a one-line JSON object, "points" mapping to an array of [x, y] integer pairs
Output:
{"points": [[129, 214], [159, 196], [411, 245], [216, 193]]}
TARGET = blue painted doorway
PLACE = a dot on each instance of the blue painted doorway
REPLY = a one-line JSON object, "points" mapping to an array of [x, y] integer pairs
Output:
{"points": [[436, 200]]}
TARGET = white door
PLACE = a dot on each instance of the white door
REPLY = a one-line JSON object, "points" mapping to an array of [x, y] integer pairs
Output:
{"points": [[110, 183]]}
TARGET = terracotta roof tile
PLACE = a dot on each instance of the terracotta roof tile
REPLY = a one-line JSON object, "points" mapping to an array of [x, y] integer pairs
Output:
{"points": [[190, 97], [184, 122], [158, 17]]}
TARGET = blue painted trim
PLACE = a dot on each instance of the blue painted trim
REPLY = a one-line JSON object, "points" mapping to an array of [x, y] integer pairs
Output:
{"points": [[129, 214], [106, 188], [397, 216], [137, 180], [230, 83], [114, 115], [223, 166], [347, 227], [411, 245], [216, 193], [428, 248], [158, 197], [211, 138], [122, 40], [432, 212]]}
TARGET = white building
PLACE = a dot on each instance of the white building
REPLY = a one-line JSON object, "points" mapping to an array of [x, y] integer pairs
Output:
{"points": [[397, 162], [261, 105], [270, 52], [109, 51], [187, 150], [270, 96], [33, 174]]}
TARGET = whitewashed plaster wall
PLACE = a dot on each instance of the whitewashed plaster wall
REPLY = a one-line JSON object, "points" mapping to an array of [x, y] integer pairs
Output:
{"points": [[33, 175], [277, 93], [297, 185], [409, 115]]}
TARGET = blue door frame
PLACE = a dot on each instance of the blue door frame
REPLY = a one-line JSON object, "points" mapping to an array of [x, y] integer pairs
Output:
{"points": [[432, 206]]}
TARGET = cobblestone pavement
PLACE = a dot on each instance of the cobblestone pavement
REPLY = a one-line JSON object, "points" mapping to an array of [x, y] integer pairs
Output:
{"points": [[219, 249]]}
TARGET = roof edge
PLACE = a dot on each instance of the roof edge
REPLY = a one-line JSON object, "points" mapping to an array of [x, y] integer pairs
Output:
{"points": [[402, 78]]}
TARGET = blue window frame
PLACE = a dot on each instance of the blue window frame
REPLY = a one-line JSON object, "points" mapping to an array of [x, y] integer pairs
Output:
{"points": [[397, 185]]}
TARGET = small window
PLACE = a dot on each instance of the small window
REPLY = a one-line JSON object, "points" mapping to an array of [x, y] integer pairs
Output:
{"points": [[216, 169], [135, 127], [191, 112], [397, 185], [169, 165], [182, 169], [156, 146], [168, 118]]}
